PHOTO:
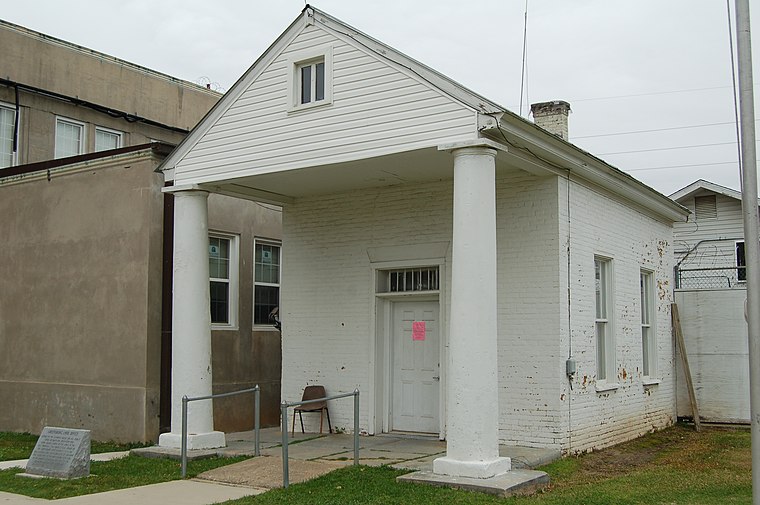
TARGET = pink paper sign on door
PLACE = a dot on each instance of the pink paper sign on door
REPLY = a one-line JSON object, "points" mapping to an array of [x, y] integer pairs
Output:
{"points": [[418, 330]]}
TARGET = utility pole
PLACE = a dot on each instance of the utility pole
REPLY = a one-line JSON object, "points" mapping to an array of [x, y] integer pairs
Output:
{"points": [[751, 238]]}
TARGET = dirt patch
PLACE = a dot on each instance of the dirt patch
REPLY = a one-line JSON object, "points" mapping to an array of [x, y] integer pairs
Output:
{"points": [[266, 472], [678, 446]]}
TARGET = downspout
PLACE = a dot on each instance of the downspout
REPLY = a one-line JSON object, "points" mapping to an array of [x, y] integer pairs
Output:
{"points": [[570, 377], [14, 154]]}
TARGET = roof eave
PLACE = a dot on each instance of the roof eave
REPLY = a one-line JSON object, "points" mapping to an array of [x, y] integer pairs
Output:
{"points": [[574, 160]]}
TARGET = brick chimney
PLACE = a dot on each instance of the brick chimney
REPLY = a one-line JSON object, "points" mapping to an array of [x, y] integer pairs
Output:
{"points": [[552, 117]]}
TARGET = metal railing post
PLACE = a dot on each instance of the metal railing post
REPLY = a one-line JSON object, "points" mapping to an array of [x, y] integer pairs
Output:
{"points": [[183, 449], [356, 426], [257, 419], [284, 415]]}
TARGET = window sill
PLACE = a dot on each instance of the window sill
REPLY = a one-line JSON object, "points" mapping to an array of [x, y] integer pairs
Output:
{"points": [[264, 327], [222, 327], [650, 382], [294, 109], [606, 386]]}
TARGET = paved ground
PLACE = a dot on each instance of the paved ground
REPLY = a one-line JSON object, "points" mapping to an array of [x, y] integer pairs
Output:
{"points": [[309, 456]]}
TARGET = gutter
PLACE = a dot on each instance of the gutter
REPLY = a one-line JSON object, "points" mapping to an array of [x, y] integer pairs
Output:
{"points": [[130, 118], [159, 148]]}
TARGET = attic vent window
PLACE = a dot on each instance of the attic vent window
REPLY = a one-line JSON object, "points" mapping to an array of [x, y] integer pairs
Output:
{"points": [[409, 280], [310, 78], [705, 207]]}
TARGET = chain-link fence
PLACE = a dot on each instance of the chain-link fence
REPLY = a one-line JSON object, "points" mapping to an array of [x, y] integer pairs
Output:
{"points": [[710, 278]]}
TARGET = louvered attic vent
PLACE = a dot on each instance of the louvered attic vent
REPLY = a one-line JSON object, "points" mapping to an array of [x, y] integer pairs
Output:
{"points": [[705, 207]]}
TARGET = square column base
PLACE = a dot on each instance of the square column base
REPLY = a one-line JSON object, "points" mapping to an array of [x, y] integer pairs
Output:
{"points": [[210, 440], [473, 469]]}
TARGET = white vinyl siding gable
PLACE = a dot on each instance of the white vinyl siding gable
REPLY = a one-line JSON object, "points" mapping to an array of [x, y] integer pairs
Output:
{"points": [[715, 240], [376, 109]]}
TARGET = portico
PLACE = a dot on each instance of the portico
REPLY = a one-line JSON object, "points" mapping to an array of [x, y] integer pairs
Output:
{"points": [[470, 374]]}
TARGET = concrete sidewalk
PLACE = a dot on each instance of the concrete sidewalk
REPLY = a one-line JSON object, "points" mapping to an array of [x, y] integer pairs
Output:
{"points": [[176, 492]]}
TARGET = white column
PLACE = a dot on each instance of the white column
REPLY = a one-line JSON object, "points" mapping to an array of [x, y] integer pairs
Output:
{"points": [[472, 444], [191, 325]]}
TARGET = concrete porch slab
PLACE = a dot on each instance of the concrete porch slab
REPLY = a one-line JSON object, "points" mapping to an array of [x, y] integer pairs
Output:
{"points": [[512, 483]]}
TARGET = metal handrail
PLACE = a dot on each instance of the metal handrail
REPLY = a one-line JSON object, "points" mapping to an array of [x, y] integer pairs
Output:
{"points": [[284, 415], [256, 390]]}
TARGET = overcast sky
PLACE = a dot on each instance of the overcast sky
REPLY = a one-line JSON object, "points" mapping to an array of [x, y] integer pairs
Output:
{"points": [[624, 66]]}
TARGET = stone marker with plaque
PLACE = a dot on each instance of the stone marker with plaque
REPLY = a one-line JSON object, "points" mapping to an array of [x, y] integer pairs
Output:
{"points": [[62, 453]]}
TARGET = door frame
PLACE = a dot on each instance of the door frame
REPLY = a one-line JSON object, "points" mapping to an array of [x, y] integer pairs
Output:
{"points": [[381, 354]]}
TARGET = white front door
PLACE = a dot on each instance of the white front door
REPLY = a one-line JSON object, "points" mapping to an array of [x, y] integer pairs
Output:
{"points": [[416, 370]]}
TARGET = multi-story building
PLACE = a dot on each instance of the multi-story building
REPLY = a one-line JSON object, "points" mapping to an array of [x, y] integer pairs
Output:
{"points": [[85, 302]]}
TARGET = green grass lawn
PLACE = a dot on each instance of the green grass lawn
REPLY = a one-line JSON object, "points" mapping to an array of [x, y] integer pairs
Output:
{"points": [[19, 446], [130, 471], [673, 466], [670, 467], [120, 473]]}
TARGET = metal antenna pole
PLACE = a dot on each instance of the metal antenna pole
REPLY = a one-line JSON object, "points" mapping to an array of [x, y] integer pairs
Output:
{"points": [[751, 235]]}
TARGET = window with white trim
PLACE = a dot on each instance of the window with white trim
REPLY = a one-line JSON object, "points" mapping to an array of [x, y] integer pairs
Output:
{"points": [[7, 128], [741, 262], [605, 344], [106, 139], [69, 138], [223, 272], [648, 335], [266, 281], [310, 78]]}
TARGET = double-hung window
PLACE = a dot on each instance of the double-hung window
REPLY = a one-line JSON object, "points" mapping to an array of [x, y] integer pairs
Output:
{"points": [[648, 342], [605, 346], [7, 130], [222, 266], [106, 139], [69, 138], [266, 295]]}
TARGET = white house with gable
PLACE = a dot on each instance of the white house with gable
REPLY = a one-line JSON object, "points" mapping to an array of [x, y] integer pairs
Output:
{"points": [[475, 276], [711, 291]]}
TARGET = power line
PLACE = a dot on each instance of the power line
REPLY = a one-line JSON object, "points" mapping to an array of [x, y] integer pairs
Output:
{"points": [[669, 148], [691, 165], [654, 130], [653, 93]]}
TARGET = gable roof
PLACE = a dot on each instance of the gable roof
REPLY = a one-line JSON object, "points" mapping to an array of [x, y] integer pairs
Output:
{"points": [[703, 185], [527, 140]]}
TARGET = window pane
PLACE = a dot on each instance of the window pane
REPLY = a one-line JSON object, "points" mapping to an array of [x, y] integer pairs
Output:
{"points": [[601, 351], [320, 84], [306, 84], [645, 297], [219, 258], [220, 302], [68, 139], [645, 336], [741, 273], [7, 118], [105, 140], [601, 289], [266, 298], [267, 267]]}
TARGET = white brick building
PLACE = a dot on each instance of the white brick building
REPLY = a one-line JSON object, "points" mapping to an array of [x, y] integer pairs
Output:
{"points": [[439, 254]]}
